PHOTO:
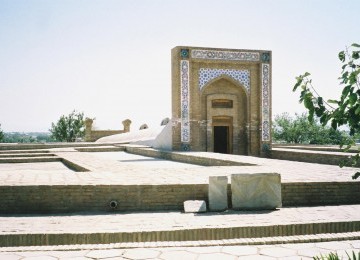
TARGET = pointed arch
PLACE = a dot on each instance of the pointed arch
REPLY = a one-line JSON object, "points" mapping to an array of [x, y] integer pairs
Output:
{"points": [[227, 78], [207, 75]]}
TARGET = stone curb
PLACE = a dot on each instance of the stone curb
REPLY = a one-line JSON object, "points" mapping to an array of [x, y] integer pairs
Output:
{"points": [[327, 237], [251, 234]]}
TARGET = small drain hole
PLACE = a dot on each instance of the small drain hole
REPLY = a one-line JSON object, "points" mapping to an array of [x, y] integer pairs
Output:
{"points": [[113, 204]]}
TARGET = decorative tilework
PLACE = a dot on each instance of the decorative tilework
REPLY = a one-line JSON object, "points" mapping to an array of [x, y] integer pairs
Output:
{"points": [[241, 76], [184, 53], [265, 57], [185, 104], [265, 80], [225, 55]]}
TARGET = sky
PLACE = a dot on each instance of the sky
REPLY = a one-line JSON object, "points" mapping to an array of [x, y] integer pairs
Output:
{"points": [[111, 58]]}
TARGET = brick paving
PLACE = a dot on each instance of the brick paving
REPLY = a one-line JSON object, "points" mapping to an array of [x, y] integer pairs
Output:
{"points": [[120, 168]]}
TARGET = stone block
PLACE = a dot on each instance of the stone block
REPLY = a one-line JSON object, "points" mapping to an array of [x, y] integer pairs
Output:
{"points": [[256, 191], [194, 206], [218, 198]]}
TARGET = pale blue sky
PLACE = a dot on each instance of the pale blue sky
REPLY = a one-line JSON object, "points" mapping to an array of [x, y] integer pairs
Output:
{"points": [[111, 59]]}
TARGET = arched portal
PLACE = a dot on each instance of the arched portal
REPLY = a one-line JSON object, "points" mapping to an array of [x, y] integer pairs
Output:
{"points": [[224, 108]]}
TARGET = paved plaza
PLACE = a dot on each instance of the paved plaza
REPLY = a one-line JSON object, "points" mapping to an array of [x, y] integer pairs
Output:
{"points": [[121, 168]]}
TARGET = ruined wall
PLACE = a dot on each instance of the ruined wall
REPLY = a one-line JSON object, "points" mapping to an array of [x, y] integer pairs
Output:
{"points": [[93, 135]]}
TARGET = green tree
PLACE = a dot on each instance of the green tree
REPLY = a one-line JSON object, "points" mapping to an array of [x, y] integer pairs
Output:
{"points": [[290, 130], [345, 110], [300, 130], [68, 128], [1, 135]]}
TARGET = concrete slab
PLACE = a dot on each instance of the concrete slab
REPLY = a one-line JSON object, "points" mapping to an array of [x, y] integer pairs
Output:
{"points": [[256, 191], [218, 193], [194, 206]]}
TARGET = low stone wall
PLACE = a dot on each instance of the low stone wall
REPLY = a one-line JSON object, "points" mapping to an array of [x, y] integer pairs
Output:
{"points": [[96, 198], [320, 193], [9, 148], [97, 134], [182, 157], [315, 147], [93, 135], [311, 157]]}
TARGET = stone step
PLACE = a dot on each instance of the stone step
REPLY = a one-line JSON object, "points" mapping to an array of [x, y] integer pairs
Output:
{"points": [[316, 238], [31, 159], [270, 234], [25, 155], [32, 146], [132, 227], [22, 151]]}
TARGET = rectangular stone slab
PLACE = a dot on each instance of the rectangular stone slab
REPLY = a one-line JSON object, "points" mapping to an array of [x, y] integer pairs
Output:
{"points": [[194, 206], [256, 191], [218, 198]]}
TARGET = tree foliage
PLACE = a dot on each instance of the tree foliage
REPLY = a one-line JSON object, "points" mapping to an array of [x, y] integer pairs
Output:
{"points": [[300, 131], [346, 109], [68, 128], [27, 137], [1, 135]]}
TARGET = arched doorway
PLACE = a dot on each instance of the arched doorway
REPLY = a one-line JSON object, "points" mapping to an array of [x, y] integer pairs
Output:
{"points": [[222, 134], [224, 108]]}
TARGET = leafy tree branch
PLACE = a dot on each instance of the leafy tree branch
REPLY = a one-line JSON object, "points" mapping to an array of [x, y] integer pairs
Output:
{"points": [[342, 111]]}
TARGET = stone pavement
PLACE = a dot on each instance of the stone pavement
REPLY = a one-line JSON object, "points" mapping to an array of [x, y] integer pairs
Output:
{"points": [[280, 251], [173, 220], [120, 168]]}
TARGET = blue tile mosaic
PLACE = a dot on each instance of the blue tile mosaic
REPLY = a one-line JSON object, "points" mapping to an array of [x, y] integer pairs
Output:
{"points": [[241, 76], [265, 89]]}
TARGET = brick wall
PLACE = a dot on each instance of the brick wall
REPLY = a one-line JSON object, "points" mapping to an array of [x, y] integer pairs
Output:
{"points": [[303, 156], [320, 193], [96, 198]]}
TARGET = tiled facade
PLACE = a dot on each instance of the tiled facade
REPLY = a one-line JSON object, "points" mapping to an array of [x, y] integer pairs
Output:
{"points": [[239, 78]]}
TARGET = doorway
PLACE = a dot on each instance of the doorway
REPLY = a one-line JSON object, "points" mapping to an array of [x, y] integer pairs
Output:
{"points": [[221, 139]]}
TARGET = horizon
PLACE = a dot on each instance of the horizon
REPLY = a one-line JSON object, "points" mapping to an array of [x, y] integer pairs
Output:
{"points": [[111, 59]]}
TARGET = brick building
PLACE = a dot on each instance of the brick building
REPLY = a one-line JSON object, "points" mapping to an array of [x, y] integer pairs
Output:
{"points": [[221, 100]]}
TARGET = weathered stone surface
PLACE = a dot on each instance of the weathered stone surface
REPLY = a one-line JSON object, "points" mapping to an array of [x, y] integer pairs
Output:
{"points": [[218, 199], [256, 191], [194, 206]]}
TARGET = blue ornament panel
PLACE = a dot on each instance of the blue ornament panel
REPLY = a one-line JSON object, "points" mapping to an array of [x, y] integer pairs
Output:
{"points": [[225, 55], [185, 101], [241, 76], [265, 78]]}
